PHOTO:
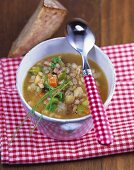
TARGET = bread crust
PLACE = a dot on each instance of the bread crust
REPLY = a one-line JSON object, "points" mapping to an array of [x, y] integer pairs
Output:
{"points": [[44, 22]]}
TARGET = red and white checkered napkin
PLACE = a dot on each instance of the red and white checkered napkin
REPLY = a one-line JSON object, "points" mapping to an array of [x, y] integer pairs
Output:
{"points": [[37, 148]]}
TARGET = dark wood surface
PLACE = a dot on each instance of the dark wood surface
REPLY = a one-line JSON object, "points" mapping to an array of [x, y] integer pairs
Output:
{"points": [[112, 22], [117, 21]]}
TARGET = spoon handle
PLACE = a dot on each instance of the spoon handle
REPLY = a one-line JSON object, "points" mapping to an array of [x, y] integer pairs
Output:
{"points": [[100, 120]]}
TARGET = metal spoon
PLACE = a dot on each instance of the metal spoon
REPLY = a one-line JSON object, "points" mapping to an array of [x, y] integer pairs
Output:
{"points": [[82, 40]]}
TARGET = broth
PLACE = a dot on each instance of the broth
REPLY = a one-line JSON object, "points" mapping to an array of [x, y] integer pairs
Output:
{"points": [[70, 99]]}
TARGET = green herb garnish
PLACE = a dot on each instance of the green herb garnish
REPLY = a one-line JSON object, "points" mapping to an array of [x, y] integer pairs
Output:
{"points": [[56, 96], [60, 96], [47, 87], [54, 61], [53, 65]]}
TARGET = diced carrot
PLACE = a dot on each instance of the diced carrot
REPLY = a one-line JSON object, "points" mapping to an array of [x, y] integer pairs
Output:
{"points": [[52, 81]]}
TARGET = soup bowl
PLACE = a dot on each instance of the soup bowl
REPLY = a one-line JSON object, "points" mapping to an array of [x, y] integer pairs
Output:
{"points": [[62, 129]]}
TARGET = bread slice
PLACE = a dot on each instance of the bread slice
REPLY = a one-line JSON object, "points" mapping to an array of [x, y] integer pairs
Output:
{"points": [[47, 18]]}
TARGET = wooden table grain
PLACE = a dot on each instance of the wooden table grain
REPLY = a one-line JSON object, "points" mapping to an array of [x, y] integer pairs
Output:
{"points": [[112, 22]]}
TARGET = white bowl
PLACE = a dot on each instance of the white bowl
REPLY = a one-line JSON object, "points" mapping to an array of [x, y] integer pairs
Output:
{"points": [[62, 129]]}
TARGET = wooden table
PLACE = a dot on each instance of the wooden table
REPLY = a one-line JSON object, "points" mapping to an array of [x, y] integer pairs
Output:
{"points": [[112, 22]]}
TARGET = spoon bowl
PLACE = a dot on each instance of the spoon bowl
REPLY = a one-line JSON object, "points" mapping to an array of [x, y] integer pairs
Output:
{"points": [[77, 32]]}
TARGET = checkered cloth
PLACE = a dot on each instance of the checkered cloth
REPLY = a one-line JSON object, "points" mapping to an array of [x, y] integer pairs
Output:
{"points": [[37, 148]]}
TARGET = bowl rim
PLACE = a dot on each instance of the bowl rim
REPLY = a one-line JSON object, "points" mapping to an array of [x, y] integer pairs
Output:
{"points": [[56, 119]]}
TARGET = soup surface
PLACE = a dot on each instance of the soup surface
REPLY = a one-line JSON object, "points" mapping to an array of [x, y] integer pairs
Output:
{"points": [[59, 80]]}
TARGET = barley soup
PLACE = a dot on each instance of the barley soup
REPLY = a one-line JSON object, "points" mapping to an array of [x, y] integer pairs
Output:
{"points": [[60, 78]]}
